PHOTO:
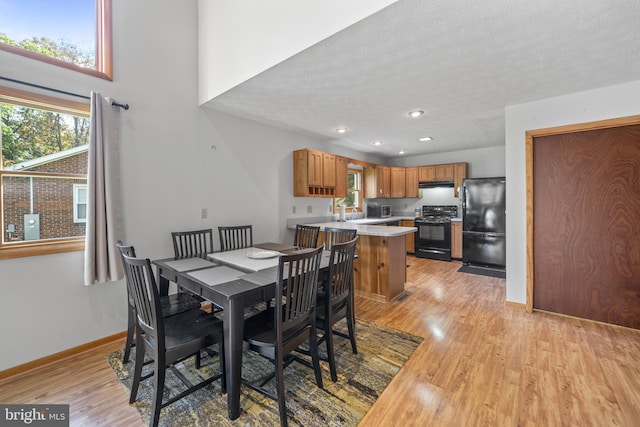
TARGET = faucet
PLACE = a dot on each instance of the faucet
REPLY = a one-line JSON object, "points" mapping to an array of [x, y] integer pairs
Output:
{"points": [[354, 213]]}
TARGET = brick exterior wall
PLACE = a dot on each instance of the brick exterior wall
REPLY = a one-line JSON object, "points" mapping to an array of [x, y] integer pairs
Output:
{"points": [[52, 199]]}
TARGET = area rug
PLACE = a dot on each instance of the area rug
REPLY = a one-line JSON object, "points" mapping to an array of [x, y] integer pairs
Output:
{"points": [[361, 379]]}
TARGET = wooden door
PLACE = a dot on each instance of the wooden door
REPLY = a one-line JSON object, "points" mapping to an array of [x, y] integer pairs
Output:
{"points": [[586, 224]]}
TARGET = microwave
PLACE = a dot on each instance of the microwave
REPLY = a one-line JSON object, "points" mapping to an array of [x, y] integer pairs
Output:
{"points": [[375, 210]]}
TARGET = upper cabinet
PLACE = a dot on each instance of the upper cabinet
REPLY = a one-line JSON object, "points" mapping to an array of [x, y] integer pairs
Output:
{"points": [[426, 173], [459, 174], [314, 173], [377, 182], [342, 170], [444, 172], [398, 182], [319, 174], [411, 182]]}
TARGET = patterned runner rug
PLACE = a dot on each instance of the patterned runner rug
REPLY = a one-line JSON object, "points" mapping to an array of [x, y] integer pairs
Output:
{"points": [[361, 379]]}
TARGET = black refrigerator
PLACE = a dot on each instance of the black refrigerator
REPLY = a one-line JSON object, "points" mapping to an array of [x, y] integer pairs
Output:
{"points": [[483, 222]]}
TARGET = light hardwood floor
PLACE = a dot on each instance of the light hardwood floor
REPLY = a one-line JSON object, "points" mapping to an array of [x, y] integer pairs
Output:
{"points": [[479, 364]]}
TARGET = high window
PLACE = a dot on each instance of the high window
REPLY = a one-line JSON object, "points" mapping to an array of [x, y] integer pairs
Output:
{"points": [[43, 174], [74, 34], [354, 192]]}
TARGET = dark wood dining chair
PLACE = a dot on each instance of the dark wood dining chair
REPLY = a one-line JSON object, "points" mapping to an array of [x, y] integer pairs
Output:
{"points": [[275, 333], [168, 340], [334, 235], [235, 237], [335, 300], [171, 304], [195, 243], [306, 236]]}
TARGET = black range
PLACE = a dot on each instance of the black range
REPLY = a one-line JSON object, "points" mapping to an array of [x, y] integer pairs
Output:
{"points": [[433, 238]]}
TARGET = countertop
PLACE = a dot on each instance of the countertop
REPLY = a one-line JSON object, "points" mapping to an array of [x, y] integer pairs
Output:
{"points": [[366, 229]]}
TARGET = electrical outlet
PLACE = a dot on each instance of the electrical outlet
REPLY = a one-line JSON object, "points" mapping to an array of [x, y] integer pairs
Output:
{"points": [[330, 210], [309, 209], [204, 213], [294, 209]]}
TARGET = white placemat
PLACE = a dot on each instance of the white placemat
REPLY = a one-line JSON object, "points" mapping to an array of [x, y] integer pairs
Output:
{"points": [[217, 275], [187, 264]]}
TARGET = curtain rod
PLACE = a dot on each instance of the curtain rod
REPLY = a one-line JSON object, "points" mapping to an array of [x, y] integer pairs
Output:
{"points": [[113, 103]]}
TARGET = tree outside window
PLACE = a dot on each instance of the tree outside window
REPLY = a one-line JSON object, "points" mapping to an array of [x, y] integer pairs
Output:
{"points": [[71, 34], [43, 173]]}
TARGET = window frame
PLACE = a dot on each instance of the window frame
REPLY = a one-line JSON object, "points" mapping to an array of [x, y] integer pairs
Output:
{"points": [[76, 203], [336, 209], [22, 249], [103, 51]]}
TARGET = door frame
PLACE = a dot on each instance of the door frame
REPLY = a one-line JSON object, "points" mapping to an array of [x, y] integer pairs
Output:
{"points": [[529, 137]]}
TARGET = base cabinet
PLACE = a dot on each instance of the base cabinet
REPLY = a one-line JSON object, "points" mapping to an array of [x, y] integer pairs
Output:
{"points": [[410, 238], [456, 240], [380, 270]]}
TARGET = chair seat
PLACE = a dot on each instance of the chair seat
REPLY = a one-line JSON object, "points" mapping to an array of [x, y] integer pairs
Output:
{"points": [[259, 330], [177, 303], [195, 326]]}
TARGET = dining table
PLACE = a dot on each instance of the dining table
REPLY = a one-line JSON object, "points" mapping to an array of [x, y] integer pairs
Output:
{"points": [[233, 280]]}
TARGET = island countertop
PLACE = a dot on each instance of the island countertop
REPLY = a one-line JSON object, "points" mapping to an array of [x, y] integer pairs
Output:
{"points": [[364, 229]]}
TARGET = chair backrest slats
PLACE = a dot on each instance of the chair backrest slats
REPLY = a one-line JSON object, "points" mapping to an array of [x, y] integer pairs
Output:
{"points": [[143, 288], [337, 235], [341, 271], [196, 243], [235, 237], [296, 286], [306, 236]]}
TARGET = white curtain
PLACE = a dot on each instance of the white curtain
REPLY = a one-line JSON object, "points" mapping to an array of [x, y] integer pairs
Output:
{"points": [[104, 214]]}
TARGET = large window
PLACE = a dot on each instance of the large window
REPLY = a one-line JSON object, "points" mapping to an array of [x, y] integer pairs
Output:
{"points": [[354, 192], [43, 173], [74, 34]]}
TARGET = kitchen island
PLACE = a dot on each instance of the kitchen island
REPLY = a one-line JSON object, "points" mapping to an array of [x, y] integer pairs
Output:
{"points": [[380, 270]]}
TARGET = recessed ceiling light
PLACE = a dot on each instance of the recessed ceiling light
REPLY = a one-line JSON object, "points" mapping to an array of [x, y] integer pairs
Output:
{"points": [[425, 139], [341, 129], [401, 152], [415, 113], [377, 142]]}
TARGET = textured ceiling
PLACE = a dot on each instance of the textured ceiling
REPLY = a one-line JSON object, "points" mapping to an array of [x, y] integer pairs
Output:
{"points": [[461, 62]]}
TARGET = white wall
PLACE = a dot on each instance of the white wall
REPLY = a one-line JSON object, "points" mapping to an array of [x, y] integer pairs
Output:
{"points": [[599, 104], [44, 306], [242, 38], [169, 169]]}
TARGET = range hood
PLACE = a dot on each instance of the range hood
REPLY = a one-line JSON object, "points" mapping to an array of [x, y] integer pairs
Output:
{"points": [[435, 184]]}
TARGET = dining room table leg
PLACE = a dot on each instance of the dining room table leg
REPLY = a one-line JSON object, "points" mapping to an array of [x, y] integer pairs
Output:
{"points": [[233, 331]]}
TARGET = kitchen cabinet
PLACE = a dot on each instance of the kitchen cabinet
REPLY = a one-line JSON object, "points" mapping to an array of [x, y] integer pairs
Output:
{"points": [[426, 173], [411, 182], [314, 173], [377, 182], [342, 170], [459, 174], [444, 172], [456, 239], [410, 238], [398, 178], [328, 170]]}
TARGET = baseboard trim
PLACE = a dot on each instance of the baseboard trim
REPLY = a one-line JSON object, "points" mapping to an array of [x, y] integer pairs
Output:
{"points": [[56, 357], [515, 305]]}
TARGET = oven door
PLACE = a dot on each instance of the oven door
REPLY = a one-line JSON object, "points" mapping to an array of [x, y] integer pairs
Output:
{"points": [[433, 240]]}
